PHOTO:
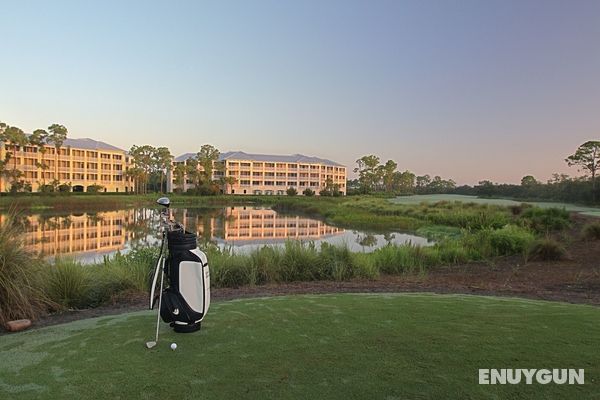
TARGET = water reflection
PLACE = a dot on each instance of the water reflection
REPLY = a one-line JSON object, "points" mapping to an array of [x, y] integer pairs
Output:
{"points": [[89, 236]]}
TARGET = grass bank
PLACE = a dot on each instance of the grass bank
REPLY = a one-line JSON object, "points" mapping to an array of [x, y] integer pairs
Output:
{"points": [[325, 347]]}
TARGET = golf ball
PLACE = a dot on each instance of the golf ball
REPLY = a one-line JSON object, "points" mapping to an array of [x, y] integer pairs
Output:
{"points": [[173, 346]]}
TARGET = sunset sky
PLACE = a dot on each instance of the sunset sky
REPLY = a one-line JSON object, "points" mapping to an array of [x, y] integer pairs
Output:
{"points": [[468, 90]]}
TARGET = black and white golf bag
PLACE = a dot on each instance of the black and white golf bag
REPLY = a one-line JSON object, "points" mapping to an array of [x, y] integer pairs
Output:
{"points": [[186, 298]]}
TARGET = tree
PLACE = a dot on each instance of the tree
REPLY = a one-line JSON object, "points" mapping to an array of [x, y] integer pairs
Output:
{"points": [[144, 159], [386, 171], [4, 162], [422, 182], [308, 192], [57, 134], [368, 173], [587, 156], [529, 180], [225, 181], [291, 191], [162, 159], [15, 138], [192, 172], [39, 139], [404, 182], [330, 189], [179, 173], [207, 157]]}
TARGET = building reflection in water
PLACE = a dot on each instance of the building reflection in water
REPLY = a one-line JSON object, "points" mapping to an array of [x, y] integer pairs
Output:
{"points": [[95, 234], [254, 225]]}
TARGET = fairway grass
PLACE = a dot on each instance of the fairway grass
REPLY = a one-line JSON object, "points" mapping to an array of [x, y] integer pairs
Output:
{"points": [[342, 346], [434, 198]]}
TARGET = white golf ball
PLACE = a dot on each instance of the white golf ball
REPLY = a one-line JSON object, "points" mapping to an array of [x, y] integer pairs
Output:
{"points": [[173, 346]]}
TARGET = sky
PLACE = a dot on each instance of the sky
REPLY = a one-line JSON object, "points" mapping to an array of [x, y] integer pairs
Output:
{"points": [[464, 89]]}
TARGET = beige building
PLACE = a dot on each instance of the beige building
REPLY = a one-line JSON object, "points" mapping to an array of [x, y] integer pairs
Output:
{"points": [[272, 174], [79, 162]]}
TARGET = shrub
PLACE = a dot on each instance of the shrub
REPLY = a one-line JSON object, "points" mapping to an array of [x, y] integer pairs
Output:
{"points": [[20, 276], [544, 220], [546, 250], [308, 192], [592, 231], [69, 284], [95, 188], [64, 188], [291, 191], [509, 240]]}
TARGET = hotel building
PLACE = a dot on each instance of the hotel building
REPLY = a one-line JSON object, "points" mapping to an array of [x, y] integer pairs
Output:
{"points": [[81, 163], [271, 174]]}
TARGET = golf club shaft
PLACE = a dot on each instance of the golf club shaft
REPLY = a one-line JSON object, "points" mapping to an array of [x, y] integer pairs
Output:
{"points": [[162, 275]]}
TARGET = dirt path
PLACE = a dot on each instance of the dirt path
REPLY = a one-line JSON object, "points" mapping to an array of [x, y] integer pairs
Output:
{"points": [[575, 279]]}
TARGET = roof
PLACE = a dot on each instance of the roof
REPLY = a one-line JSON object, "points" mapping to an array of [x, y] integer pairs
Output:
{"points": [[88, 144], [240, 155]]}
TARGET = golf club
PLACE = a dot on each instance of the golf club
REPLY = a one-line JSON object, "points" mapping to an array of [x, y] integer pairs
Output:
{"points": [[153, 343]]}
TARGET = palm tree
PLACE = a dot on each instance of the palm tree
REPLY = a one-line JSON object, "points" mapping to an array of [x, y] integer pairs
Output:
{"points": [[163, 164], [16, 138], [39, 139], [226, 181], [57, 136]]}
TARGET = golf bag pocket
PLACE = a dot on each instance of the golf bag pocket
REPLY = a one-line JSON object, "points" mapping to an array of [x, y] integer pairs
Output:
{"points": [[175, 309]]}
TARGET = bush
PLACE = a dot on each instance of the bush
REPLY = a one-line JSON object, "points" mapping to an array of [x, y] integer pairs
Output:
{"points": [[544, 220], [20, 276], [64, 188], [95, 188], [291, 191], [592, 231], [510, 240], [308, 192], [69, 284], [546, 250]]}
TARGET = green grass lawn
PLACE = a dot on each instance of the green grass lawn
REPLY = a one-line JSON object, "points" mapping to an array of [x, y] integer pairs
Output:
{"points": [[344, 346], [432, 198]]}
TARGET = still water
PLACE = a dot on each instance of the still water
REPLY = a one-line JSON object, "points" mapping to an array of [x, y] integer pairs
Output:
{"points": [[90, 236]]}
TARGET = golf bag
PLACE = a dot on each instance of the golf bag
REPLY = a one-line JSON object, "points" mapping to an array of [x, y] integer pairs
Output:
{"points": [[187, 296]]}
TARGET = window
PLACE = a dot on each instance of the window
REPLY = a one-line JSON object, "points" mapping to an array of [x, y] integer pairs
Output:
{"points": [[257, 165], [257, 183], [270, 165]]}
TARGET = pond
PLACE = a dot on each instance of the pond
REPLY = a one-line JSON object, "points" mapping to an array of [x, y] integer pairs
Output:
{"points": [[90, 236]]}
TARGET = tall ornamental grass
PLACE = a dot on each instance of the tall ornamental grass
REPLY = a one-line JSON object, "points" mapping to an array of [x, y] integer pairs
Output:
{"points": [[21, 295]]}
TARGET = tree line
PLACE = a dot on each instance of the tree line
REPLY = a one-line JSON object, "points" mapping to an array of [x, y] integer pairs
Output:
{"points": [[376, 177], [561, 187]]}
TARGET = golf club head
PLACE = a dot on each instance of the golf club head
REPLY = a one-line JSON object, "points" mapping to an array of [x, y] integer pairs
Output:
{"points": [[150, 345], [164, 201]]}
